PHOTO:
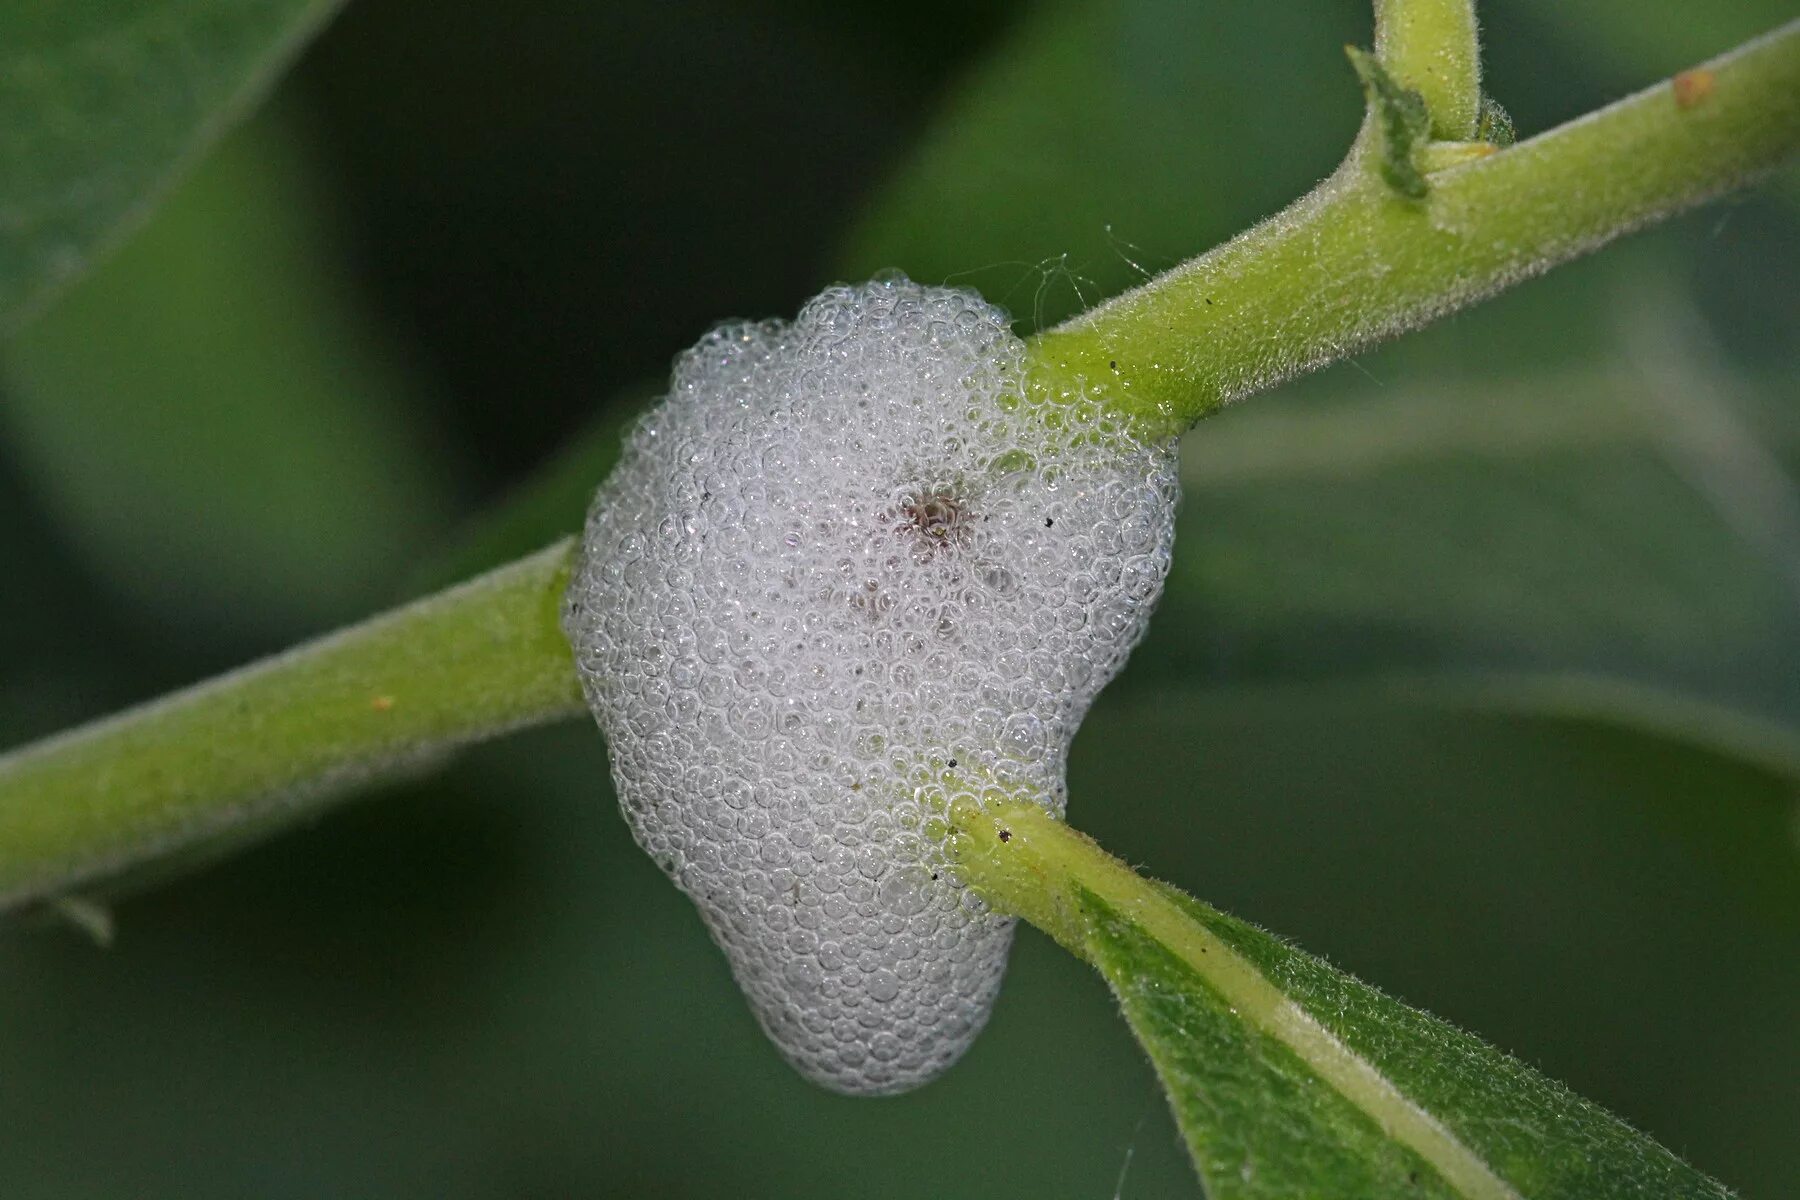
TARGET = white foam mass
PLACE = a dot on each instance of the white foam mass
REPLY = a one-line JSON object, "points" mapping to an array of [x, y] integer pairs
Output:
{"points": [[846, 569]]}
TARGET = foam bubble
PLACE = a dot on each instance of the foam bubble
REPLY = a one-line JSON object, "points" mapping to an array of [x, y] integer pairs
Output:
{"points": [[846, 570]]}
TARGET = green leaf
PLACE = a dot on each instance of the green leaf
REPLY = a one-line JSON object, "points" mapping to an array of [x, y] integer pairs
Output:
{"points": [[1615, 543], [1640, 41], [1402, 123], [1085, 155], [214, 417], [549, 505], [1288, 1077], [102, 102]]}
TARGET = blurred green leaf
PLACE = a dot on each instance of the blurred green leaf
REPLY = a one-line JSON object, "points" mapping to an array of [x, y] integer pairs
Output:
{"points": [[549, 505], [216, 421], [1651, 40], [1617, 543], [101, 104], [1085, 155]]}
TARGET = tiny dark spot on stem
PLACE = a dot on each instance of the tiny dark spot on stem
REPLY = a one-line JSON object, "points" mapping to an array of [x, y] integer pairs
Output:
{"points": [[1114, 364], [1006, 835], [953, 764], [1049, 521], [934, 874], [1691, 87], [1209, 299]]}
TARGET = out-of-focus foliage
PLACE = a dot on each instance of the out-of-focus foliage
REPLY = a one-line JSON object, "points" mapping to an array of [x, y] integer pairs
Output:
{"points": [[475, 986], [103, 101], [221, 428], [1617, 542]]}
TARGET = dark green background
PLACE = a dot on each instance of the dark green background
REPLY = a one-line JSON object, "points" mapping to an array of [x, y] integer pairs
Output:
{"points": [[1479, 673]]}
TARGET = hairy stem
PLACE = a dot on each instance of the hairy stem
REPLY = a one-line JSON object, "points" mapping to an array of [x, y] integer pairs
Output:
{"points": [[1353, 263], [293, 730], [1433, 47]]}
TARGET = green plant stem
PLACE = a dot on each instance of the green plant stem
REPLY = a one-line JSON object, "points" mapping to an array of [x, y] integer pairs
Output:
{"points": [[1353, 263], [468, 663], [1434, 48], [1026, 863], [1348, 264]]}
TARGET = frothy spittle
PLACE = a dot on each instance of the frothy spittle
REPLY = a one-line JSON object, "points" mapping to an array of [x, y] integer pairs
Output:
{"points": [[846, 569]]}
